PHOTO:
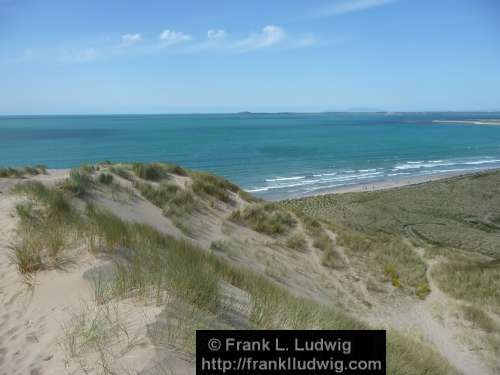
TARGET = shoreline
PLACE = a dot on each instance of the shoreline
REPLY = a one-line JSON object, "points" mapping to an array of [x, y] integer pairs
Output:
{"points": [[386, 184], [390, 184], [469, 122]]}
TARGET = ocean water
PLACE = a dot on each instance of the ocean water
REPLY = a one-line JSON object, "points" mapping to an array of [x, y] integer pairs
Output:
{"points": [[272, 155]]}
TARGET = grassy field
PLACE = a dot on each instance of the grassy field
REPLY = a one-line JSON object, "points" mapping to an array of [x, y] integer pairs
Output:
{"points": [[462, 212]]}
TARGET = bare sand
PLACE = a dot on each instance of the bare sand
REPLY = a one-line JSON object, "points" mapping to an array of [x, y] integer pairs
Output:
{"points": [[32, 337]]}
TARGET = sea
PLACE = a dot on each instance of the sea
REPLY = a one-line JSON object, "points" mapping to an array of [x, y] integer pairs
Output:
{"points": [[274, 156]]}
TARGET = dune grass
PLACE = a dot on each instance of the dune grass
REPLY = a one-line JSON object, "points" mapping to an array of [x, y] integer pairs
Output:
{"points": [[392, 257], [265, 218], [472, 281], [105, 178], [480, 319], [148, 265], [457, 213], [49, 224], [79, 181], [120, 171], [157, 171], [406, 356], [322, 241], [150, 171], [207, 185], [176, 203], [297, 242], [22, 172]]}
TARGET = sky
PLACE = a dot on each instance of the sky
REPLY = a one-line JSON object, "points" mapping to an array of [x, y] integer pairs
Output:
{"points": [[94, 56]]}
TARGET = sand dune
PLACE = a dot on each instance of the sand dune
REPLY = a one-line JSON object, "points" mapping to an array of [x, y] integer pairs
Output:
{"points": [[46, 317]]}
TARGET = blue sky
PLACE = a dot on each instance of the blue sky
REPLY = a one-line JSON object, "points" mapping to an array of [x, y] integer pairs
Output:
{"points": [[225, 56]]}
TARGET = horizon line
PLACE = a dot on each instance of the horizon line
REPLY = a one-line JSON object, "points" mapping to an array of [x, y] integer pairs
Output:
{"points": [[239, 113]]}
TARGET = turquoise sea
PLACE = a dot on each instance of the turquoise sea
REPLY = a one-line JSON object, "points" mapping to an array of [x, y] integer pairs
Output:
{"points": [[272, 155]]}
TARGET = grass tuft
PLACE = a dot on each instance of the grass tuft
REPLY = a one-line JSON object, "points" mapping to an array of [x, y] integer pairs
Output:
{"points": [[150, 171], [297, 242], [79, 181], [105, 178], [22, 172], [480, 319], [265, 218], [205, 184]]}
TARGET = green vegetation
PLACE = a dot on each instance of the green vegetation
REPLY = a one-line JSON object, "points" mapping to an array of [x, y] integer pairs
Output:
{"points": [[177, 203], [157, 171], [407, 356], [390, 256], [205, 184], [456, 213], [265, 218], [297, 242], [48, 226], [21, 172], [473, 281], [480, 319], [105, 178], [322, 241], [152, 172], [121, 172], [152, 266], [79, 181]]}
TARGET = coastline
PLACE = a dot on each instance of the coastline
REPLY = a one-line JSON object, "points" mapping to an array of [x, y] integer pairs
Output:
{"points": [[469, 122], [391, 184]]}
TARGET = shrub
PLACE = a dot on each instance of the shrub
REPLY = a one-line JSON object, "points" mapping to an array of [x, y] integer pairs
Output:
{"points": [[392, 274], [105, 178], [423, 290]]}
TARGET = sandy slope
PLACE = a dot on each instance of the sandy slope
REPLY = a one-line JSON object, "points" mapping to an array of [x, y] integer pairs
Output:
{"points": [[33, 317], [32, 321], [432, 321]]}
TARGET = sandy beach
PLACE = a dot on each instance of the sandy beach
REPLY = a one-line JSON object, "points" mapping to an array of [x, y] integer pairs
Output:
{"points": [[396, 183]]}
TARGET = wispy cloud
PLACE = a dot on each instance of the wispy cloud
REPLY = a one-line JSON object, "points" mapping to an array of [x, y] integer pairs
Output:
{"points": [[269, 35], [170, 37], [216, 34], [349, 6], [172, 41], [129, 39]]}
